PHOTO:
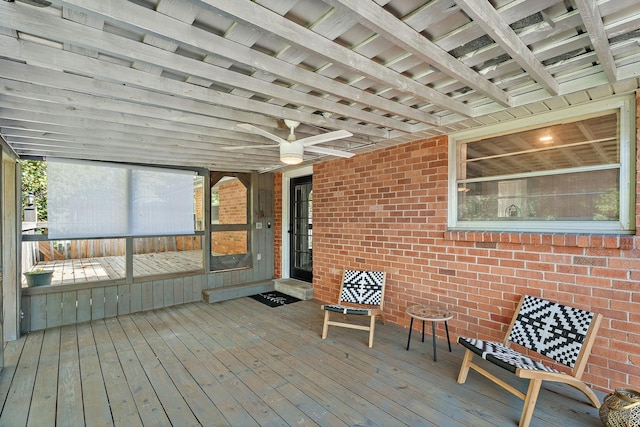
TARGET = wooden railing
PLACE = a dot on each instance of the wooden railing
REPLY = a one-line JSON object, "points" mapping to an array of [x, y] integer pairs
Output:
{"points": [[37, 250], [50, 250]]}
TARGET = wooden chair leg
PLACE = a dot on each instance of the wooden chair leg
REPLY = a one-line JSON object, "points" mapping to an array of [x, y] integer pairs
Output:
{"points": [[464, 368], [530, 402], [372, 327], [325, 326], [587, 392]]}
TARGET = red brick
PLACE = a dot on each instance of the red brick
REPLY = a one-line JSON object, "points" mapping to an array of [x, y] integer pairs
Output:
{"points": [[480, 275]]}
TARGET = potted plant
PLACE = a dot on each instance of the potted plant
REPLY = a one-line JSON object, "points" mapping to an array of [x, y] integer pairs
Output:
{"points": [[38, 277]]}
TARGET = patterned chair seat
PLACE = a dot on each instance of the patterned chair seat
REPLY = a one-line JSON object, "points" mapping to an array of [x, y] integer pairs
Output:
{"points": [[337, 308], [503, 356]]}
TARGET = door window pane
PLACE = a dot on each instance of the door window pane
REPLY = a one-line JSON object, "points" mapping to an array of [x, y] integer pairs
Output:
{"points": [[229, 222]]}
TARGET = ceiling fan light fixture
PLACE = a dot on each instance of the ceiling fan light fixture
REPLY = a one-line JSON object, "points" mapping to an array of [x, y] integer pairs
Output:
{"points": [[291, 154]]}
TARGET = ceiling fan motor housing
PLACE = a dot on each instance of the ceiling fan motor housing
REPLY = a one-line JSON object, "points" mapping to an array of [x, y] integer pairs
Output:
{"points": [[291, 153]]}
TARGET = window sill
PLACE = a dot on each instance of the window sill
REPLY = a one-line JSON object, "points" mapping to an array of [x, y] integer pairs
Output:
{"points": [[604, 241]]}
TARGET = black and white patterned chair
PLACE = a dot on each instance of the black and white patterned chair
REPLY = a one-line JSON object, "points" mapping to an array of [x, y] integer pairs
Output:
{"points": [[361, 294], [559, 332]]}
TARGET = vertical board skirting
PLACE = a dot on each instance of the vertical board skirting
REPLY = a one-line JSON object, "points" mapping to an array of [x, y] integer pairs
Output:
{"points": [[187, 289], [178, 290], [110, 301], [38, 314], [136, 298], [147, 296], [25, 322], [124, 299], [193, 289], [97, 303], [158, 294], [69, 306], [53, 309], [84, 305], [168, 292]]}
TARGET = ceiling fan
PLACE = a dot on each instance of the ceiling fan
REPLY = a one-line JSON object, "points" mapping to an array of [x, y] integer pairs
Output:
{"points": [[291, 149]]}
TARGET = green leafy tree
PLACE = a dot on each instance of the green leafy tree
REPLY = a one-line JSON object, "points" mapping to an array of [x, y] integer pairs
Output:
{"points": [[34, 181], [608, 206]]}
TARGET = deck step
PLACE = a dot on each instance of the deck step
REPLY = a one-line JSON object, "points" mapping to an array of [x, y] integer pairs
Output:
{"points": [[295, 288], [230, 292]]}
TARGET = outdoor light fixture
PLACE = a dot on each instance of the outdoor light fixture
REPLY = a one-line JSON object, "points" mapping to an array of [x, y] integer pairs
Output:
{"points": [[547, 139], [291, 153], [30, 199]]}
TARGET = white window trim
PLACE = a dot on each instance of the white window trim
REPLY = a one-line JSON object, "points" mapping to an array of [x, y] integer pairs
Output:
{"points": [[626, 224]]}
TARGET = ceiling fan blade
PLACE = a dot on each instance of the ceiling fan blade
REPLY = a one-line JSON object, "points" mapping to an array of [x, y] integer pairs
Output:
{"points": [[325, 137], [329, 151], [253, 129], [244, 147]]}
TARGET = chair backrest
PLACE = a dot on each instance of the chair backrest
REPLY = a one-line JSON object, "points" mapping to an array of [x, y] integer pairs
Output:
{"points": [[562, 333], [363, 287]]}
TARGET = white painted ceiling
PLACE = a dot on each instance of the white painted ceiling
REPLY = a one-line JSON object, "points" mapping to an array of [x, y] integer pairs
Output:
{"points": [[167, 81]]}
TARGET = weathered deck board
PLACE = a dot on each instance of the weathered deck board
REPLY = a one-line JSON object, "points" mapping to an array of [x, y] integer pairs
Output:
{"points": [[70, 408], [123, 409], [202, 363], [83, 270], [241, 363], [146, 399], [46, 386], [170, 397], [18, 400], [94, 393], [12, 354]]}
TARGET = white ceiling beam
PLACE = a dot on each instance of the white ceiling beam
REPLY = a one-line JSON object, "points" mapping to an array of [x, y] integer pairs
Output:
{"points": [[32, 20], [54, 89], [107, 124], [35, 113], [592, 21], [384, 23], [131, 15], [511, 12], [529, 36], [484, 14], [58, 124], [61, 149], [129, 143], [239, 106], [255, 16]]}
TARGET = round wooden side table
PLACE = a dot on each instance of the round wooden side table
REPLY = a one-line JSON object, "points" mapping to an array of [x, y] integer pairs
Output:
{"points": [[433, 315]]}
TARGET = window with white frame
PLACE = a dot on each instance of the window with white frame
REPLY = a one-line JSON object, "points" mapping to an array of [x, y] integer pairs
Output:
{"points": [[568, 171]]}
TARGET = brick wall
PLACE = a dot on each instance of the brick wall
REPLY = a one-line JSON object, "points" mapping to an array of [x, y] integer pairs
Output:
{"points": [[387, 210]]}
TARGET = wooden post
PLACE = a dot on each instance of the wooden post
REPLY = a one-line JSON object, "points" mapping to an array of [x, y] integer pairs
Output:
{"points": [[129, 260]]}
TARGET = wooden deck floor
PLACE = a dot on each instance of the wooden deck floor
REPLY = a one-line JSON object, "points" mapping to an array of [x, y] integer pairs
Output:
{"points": [[83, 270], [241, 363]]}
